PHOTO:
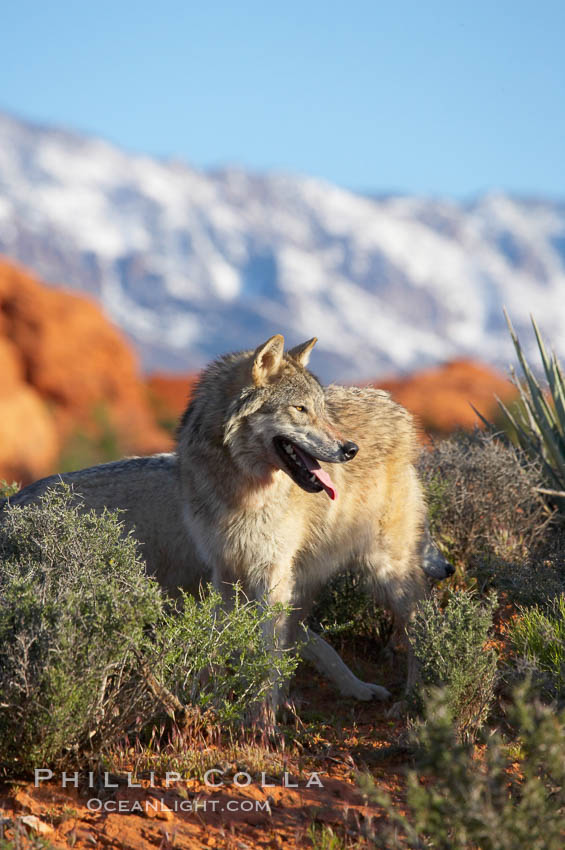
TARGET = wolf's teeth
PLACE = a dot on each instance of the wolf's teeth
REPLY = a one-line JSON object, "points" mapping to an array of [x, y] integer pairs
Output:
{"points": [[313, 479], [289, 449]]}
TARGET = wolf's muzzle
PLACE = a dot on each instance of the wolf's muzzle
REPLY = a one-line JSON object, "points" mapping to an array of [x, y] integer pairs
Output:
{"points": [[349, 450]]}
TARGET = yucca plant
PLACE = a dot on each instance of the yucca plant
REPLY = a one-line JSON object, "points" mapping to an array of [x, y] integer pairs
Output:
{"points": [[539, 418]]}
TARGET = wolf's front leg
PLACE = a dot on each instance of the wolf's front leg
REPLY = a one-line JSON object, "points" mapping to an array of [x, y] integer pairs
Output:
{"points": [[277, 589], [328, 662], [273, 587]]}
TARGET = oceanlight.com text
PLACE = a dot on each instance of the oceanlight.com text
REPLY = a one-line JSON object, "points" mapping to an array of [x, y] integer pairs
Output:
{"points": [[189, 806]]}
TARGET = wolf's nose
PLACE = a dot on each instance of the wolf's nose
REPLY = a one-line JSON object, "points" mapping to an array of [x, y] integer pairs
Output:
{"points": [[349, 450]]}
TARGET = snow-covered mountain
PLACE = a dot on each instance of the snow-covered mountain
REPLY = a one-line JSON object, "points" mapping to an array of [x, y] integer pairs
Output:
{"points": [[191, 264]]}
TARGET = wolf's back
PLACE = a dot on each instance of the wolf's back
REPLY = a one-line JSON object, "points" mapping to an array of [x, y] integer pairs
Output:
{"points": [[371, 418], [147, 490]]}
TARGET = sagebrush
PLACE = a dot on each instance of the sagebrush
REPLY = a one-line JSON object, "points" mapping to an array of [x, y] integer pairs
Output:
{"points": [[346, 611], [508, 794], [7, 490], [218, 659], [74, 604], [90, 650], [483, 496], [450, 646]]}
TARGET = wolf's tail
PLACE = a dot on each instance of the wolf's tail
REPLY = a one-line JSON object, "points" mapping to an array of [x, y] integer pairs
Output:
{"points": [[433, 563]]}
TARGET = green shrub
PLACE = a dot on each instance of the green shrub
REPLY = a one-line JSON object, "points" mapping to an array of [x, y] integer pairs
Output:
{"points": [[482, 495], [458, 799], [449, 645], [221, 660], [523, 581], [346, 611], [88, 649], [539, 422], [7, 490], [74, 603], [538, 635]]}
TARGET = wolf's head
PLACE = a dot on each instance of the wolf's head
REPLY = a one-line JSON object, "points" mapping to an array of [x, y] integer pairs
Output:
{"points": [[279, 419]]}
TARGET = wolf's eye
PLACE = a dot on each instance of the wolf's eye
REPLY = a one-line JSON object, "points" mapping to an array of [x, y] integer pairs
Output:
{"points": [[300, 408]]}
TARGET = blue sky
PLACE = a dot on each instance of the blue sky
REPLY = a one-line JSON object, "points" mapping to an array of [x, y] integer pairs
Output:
{"points": [[444, 98]]}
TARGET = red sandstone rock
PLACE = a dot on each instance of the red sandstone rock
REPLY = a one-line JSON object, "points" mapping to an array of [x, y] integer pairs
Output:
{"points": [[29, 444], [441, 397], [63, 367], [169, 394]]}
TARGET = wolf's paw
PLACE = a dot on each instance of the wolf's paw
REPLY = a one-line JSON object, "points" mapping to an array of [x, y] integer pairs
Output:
{"points": [[366, 691]]}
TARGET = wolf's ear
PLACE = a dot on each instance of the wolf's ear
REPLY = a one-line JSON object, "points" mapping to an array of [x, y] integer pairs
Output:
{"points": [[301, 353], [267, 360]]}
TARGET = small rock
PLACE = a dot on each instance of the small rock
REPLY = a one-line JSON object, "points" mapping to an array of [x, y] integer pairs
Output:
{"points": [[37, 825]]}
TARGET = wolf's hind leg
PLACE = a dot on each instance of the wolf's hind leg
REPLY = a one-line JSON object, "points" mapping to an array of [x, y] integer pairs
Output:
{"points": [[328, 662]]}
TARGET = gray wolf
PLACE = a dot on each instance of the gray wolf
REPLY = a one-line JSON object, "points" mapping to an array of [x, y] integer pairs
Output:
{"points": [[248, 495]]}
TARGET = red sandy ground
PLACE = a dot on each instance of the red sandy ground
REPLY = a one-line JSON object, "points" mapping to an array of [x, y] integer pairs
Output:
{"points": [[348, 740]]}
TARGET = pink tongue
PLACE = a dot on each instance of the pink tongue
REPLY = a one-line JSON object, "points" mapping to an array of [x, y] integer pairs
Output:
{"points": [[314, 467]]}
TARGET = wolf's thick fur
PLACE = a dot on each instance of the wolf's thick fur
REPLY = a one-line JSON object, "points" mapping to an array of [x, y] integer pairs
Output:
{"points": [[224, 506]]}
